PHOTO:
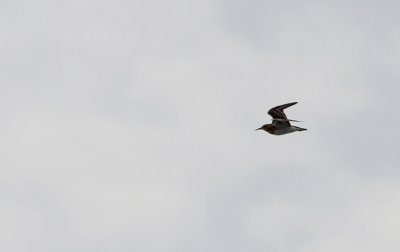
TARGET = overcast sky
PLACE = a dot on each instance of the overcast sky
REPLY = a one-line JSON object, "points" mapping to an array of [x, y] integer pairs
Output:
{"points": [[129, 126]]}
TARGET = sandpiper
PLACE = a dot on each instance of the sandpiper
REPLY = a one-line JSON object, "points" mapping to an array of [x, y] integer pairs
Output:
{"points": [[280, 124]]}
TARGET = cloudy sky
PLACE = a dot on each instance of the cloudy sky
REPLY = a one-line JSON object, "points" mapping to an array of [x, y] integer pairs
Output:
{"points": [[129, 126]]}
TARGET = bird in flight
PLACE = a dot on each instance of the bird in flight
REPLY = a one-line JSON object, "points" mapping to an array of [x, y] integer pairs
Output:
{"points": [[280, 123]]}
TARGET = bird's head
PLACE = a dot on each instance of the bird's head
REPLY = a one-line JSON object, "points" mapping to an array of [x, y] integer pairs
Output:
{"points": [[270, 128], [264, 127]]}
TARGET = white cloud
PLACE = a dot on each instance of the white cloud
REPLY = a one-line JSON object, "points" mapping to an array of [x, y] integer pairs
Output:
{"points": [[130, 126], [358, 215]]}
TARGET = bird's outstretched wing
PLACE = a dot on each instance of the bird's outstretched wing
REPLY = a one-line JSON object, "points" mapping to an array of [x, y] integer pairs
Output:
{"points": [[278, 116], [277, 112]]}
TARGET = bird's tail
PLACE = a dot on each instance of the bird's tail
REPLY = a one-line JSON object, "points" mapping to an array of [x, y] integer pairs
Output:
{"points": [[299, 129]]}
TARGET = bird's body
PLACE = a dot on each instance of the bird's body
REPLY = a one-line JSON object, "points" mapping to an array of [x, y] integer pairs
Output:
{"points": [[279, 130], [280, 124]]}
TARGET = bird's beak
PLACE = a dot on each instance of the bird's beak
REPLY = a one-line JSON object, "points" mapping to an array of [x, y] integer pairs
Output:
{"points": [[259, 128]]}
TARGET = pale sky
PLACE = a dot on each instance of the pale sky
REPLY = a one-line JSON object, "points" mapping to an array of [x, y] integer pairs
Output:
{"points": [[129, 126]]}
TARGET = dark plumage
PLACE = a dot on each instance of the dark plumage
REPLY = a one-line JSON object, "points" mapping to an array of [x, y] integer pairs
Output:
{"points": [[280, 123]]}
